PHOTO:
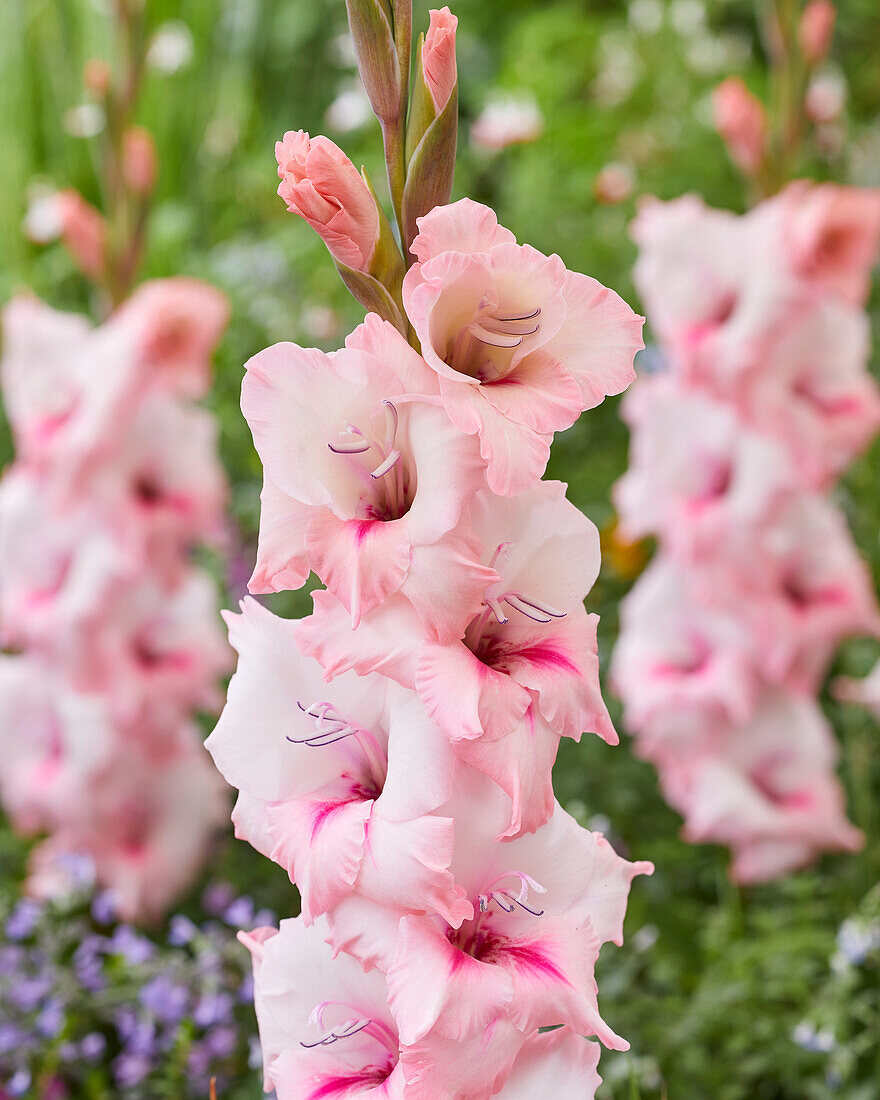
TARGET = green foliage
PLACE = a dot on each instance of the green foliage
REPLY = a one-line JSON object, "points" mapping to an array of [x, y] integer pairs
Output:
{"points": [[712, 981]]}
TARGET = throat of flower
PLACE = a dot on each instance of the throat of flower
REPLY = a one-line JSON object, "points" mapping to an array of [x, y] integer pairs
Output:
{"points": [[482, 349], [330, 726], [375, 459], [531, 607]]}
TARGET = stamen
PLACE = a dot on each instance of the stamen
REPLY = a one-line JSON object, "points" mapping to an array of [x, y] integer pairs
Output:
{"points": [[518, 316], [526, 883], [392, 420], [501, 551], [352, 446], [389, 464], [329, 727], [494, 339], [497, 610], [352, 1027], [538, 610]]}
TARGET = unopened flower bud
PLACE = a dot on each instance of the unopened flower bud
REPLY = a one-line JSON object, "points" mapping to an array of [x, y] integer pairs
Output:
{"points": [[371, 23], [97, 77], [320, 183], [741, 121], [139, 162], [83, 230], [816, 29], [432, 129], [613, 184]]}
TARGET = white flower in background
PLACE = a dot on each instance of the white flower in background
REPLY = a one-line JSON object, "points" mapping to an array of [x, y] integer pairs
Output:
{"points": [[350, 109], [171, 47], [645, 16], [85, 121], [508, 119], [826, 96], [42, 222]]}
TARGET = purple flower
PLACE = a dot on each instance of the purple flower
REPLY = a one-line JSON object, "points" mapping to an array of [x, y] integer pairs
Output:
{"points": [[27, 993], [264, 918], [93, 1046], [104, 907], [240, 914], [19, 1083], [11, 958], [51, 1019], [212, 1008], [11, 1036], [221, 1041], [167, 1000], [23, 919], [88, 963], [246, 990], [130, 1069], [217, 897], [133, 947], [181, 931]]}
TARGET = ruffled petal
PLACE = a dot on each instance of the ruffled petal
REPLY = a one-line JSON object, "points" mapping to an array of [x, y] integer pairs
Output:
{"points": [[463, 226], [282, 563], [362, 561]]}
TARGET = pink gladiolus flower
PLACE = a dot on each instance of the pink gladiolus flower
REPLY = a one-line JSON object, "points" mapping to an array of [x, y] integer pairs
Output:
{"points": [[697, 477], [178, 322], [148, 826], [320, 183], [525, 672], [364, 483], [769, 793], [682, 668], [816, 29], [555, 1063], [741, 121], [69, 736], [327, 1033], [544, 905], [819, 400], [520, 345], [832, 234], [348, 774], [806, 588]]}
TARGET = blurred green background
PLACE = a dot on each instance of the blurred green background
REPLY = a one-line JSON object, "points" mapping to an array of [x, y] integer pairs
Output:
{"points": [[713, 980]]}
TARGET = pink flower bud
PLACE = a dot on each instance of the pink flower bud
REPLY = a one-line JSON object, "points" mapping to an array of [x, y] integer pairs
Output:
{"points": [[741, 121], [320, 183], [438, 57], [613, 184], [97, 77], [83, 231], [139, 163], [817, 26]]}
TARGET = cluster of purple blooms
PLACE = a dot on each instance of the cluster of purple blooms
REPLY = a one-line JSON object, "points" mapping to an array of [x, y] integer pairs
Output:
{"points": [[86, 999]]}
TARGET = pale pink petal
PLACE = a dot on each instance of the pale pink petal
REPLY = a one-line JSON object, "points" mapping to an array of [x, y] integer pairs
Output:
{"points": [[432, 985], [362, 561], [556, 1063], [463, 226], [282, 563]]}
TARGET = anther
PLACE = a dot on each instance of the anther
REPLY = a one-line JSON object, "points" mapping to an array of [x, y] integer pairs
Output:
{"points": [[534, 609], [384, 467], [352, 1027]]}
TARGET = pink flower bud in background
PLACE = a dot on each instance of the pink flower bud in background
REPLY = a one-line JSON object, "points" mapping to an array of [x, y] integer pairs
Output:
{"points": [[139, 161], [320, 183], [83, 231], [817, 27], [613, 184], [741, 121], [97, 77], [438, 57]]}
